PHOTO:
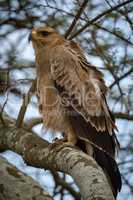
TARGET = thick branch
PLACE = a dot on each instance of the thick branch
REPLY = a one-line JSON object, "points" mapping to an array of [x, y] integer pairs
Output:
{"points": [[15, 185], [35, 151]]}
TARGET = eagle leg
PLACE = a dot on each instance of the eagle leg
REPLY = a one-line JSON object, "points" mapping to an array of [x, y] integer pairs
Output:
{"points": [[69, 139]]}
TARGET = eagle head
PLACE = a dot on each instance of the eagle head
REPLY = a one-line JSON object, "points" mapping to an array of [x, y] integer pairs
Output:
{"points": [[43, 36]]}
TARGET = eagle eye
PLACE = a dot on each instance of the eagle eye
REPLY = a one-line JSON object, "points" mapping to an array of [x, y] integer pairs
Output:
{"points": [[44, 33]]}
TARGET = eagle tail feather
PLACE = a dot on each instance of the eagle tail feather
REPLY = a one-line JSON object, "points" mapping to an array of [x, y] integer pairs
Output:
{"points": [[110, 168], [103, 145]]}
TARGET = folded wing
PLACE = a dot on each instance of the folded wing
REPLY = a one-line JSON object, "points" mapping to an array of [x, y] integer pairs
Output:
{"points": [[83, 84]]}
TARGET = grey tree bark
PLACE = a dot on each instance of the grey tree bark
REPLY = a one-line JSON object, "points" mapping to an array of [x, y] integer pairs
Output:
{"points": [[14, 185], [88, 176]]}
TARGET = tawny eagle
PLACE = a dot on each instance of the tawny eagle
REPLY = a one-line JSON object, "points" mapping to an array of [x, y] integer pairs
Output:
{"points": [[72, 99]]}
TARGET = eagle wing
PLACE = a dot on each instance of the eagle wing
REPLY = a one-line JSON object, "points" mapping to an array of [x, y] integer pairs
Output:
{"points": [[84, 87], [83, 84]]}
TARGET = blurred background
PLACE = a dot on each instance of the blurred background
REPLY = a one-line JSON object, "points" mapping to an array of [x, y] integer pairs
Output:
{"points": [[108, 44]]}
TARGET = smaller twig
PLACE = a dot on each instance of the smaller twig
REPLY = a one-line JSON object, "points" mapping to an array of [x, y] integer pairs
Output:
{"points": [[34, 121], [122, 13], [76, 18], [127, 183], [65, 185], [125, 162], [116, 80], [17, 68], [106, 12], [113, 33], [121, 115], [2, 109], [122, 77], [23, 108]]}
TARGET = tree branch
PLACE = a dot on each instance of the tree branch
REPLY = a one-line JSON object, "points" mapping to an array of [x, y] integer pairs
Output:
{"points": [[121, 115], [35, 121], [35, 151], [122, 77], [15, 185], [100, 16], [113, 33], [25, 103], [59, 181], [76, 18]]}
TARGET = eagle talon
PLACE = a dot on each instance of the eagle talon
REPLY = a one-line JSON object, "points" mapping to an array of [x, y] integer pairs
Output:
{"points": [[57, 142], [55, 139], [63, 141]]}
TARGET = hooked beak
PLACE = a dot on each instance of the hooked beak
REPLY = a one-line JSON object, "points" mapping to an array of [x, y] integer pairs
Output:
{"points": [[30, 37]]}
